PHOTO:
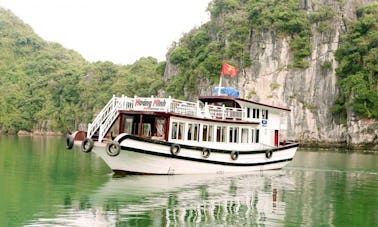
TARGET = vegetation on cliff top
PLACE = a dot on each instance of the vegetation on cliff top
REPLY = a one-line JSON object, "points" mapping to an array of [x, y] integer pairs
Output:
{"points": [[358, 65], [227, 37], [46, 87]]}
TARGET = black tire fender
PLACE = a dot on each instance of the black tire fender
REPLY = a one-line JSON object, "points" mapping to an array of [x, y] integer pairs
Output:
{"points": [[175, 149], [69, 142], [87, 145], [205, 152], [113, 148], [268, 154], [234, 155]]}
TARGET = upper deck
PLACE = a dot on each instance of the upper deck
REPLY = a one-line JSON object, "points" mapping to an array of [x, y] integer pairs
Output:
{"points": [[210, 107]]}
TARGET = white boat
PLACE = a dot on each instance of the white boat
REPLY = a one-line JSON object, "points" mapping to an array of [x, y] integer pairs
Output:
{"points": [[217, 134]]}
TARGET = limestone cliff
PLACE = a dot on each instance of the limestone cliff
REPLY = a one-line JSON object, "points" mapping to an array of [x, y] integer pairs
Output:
{"points": [[309, 92]]}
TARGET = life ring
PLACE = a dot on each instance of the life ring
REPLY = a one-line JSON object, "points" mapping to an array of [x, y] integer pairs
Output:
{"points": [[268, 154], [113, 148], [205, 152], [69, 142], [175, 149], [234, 155], [87, 145]]}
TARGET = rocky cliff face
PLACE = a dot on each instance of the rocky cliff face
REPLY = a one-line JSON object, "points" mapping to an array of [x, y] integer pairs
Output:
{"points": [[310, 92]]}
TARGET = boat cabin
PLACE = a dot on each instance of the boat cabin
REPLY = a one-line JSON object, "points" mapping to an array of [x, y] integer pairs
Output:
{"points": [[212, 121]]}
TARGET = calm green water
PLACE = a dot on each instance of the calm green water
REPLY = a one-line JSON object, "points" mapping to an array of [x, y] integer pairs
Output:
{"points": [[42, 184]]}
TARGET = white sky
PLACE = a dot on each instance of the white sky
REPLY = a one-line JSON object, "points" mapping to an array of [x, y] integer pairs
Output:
{"points": [[120, 31]]}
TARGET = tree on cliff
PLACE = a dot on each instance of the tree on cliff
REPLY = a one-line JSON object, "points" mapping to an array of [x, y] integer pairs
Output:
{"points": [[45, 87], [358, 65]]}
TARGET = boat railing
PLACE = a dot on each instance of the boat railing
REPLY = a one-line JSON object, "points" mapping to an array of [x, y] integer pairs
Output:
{"points": [[105, 118], [222, 112], [110, 112], [183, 107]]}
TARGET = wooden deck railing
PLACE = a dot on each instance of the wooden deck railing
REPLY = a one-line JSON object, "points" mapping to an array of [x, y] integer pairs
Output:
{"points": [[109, 113]]}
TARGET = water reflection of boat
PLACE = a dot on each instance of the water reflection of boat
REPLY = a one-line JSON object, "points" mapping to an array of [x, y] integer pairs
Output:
{"points": [[185, 200]]}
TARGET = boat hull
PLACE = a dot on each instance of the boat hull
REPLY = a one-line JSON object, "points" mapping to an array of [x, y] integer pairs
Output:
{"points": [[146, 157]]}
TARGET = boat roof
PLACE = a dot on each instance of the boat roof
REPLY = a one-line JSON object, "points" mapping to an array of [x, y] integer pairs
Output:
{"points": [[239, 101]]}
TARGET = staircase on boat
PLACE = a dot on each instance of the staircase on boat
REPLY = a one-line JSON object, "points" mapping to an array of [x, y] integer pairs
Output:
{"points": [[110, 112]]}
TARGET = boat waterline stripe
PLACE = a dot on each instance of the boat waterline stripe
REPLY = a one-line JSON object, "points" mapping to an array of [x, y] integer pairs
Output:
{"points": [[201, 148], [132, 149]]}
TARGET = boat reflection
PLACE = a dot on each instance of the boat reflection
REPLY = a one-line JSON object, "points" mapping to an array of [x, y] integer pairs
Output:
{"points": [[182, 200]]}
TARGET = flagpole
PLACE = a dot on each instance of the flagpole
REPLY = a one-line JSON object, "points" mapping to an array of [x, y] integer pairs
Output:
{"points": [[220, 84]]}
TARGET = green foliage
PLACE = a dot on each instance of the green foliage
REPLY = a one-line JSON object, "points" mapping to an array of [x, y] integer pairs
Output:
{"points": [[219, 6], [274, 85], [46, 87], [282, 16], [325, 13], [198, 57], [251, 93], [324, 18], [358, 60], [301, 46], [327, 65], [180, 55], [227, 37]]}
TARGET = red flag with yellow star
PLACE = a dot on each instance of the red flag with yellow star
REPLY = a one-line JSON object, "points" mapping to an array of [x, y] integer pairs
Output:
{"points": [[229, 69]]}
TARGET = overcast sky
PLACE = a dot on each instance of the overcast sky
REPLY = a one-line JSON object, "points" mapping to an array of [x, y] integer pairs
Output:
{"points": [[120, 31]]}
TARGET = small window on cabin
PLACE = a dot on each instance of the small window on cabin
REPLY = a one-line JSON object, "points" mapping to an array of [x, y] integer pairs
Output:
{"points": [[146, 129], [180, 131], [135, 128], [257, 136], [233, 135], [204, 132], [264, 114], [210, 134], [245, 135], [221, 134], [160, 127], [248, 112], [177, 130], [256, 113], [196, 132], [193, 132], [207, 133], [174, 130], [128, 125]]}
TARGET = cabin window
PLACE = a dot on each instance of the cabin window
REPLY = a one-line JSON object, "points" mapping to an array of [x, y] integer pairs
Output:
{"points": [[128, 124], [207, 133], [159, 124], [256, 113], [221, 134], [180, 131], [146, 129], [248, 112], [174, 130], [135, 128], [233, 134], [264, 114], [193, 132], [177, 130], [257, 136], [244, 135]]}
